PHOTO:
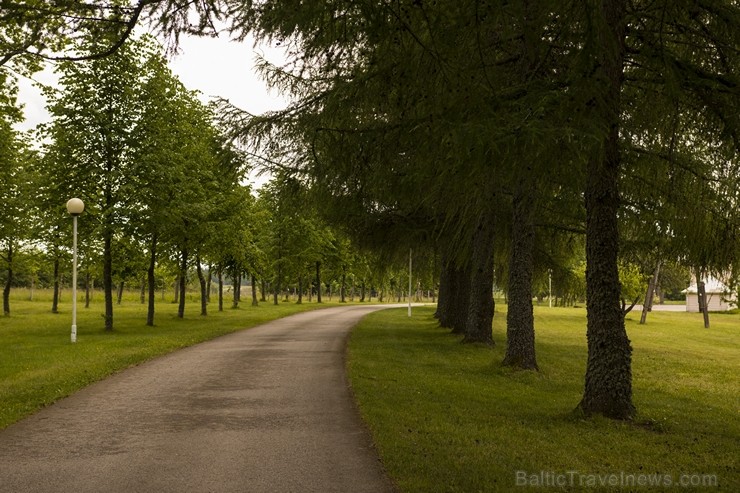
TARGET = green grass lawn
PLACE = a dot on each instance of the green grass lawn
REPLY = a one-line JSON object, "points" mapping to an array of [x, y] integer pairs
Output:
{"points": [[447, 417], [39, 364]]}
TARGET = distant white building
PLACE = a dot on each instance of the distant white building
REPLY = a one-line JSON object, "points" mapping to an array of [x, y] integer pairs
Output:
{"points": [[719, 297]]}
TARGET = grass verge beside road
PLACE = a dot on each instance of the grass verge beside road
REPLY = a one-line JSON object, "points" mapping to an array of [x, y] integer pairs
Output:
{"points": [[39, 364], [447, 417]]}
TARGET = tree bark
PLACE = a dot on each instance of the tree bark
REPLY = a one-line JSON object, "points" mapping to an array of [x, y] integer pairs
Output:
{"points": [[87, 288], [120, 293], [177, 289], [203, 286], [701, 294], [9, 280], [608, 380], [183, 279], [209, 283], [254, 291], [318, 282], [55, 296], [343, 289], [648, 305], [276, 290], [520, 348], [445, 293], [237, 285], [220, 275], [108, 274], [460, 298], [479, 324], [300, 290], [151, 281]]}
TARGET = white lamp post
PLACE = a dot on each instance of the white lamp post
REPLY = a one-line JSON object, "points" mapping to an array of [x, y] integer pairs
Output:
{"points": [[74, 207]]}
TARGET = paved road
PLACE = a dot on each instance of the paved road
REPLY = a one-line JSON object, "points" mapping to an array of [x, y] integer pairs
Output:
{"points": [[267, 409]]}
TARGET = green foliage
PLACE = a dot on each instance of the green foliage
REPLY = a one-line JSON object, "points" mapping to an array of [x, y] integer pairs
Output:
{"points": [[633, 281], [37, 29]]}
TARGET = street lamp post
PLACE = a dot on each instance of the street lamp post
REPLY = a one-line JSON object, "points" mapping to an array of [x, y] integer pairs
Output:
{"points": [[74, 207]]}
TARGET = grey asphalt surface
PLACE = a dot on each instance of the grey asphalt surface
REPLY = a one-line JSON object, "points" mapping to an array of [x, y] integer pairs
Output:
{"points": [[262, 410]]}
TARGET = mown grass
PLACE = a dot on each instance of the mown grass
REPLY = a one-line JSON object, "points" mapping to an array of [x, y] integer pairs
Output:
{"points": [[39, 364], [448, 417]]}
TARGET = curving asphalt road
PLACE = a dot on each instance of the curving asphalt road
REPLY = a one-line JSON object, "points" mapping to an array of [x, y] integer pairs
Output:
{"points": [[266, 409]]}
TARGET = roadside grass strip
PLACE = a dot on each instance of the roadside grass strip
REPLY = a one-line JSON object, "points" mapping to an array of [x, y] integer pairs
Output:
{"points": [[39, 364], [447, 417]]}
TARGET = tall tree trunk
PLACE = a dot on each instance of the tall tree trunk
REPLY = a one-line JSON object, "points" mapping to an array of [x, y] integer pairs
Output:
{"points": [[460, 298], [238, 292], [318, 282], [276, 288], [177, 289], [520, 348], [87, 288], [701, 294], [648, 305], [444, 301], [263, 290], [209, 283], [183, 279], [108, 274], [456, 306], [343, 289], [300, 290], [254, 291], [151, 281], [608, 381], [220, 275], [479, 325], [55, 296], [120, 292], [8, 280], [237, 282], [362, 292], [203, 287]]}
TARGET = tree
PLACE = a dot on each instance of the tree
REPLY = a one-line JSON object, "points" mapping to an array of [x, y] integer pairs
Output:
{"points": [[173, 156], [36, 29], [93, 117], [15, 186], [111, 138], [398, 75]]}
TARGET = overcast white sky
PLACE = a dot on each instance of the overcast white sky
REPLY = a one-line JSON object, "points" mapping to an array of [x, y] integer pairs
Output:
{"points": [[214, 66]]}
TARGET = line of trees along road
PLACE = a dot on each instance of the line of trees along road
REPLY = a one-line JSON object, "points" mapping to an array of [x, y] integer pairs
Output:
{"points": [[497, 134], [477, 127], [163, 192]]}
